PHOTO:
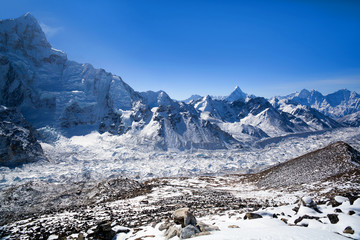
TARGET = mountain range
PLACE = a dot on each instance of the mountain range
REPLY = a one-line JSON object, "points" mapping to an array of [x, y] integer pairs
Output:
{"points": [[47, 89]]}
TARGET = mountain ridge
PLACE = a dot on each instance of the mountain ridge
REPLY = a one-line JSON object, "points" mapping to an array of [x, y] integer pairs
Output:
{"points": [[76, 99]]}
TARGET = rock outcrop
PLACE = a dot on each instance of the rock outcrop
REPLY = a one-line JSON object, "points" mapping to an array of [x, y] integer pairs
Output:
{"points": [[18, 144]]}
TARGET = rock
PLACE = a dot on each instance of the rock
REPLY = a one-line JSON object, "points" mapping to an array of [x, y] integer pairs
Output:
{"points": [[188, 232], [274, 216], [351, 212], [338, 210], [333, 203], [144, 202], [352, 198], [202, 234], [295, 209], [305, 217], [309, 202], [165, 226], [103, 232], [80, 236], [251, 216], [233, 226], [18, 144], [348, 230], [172, 232], [207, 228], [333, 218], [284, 220], [184, 217]]}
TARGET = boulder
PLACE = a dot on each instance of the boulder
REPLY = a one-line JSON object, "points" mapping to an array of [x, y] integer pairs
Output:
{"points": [[351, 212], [309, 202], [334, 203], [165, 226], [184, 217], [349, 230], [207, 228], [333, 218], [188, 232], [172, 232], [103, 231], [251, 216], [305, 217]]}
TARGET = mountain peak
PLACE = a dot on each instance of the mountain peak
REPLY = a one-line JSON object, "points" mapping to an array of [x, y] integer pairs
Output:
{"points": [[29, 18], [237, 94], [304, 93], [24, 33]]}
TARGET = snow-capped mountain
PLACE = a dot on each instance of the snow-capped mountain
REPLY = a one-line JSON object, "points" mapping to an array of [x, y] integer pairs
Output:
{"points": [[48, 88], [259, 118], [236, 95], [178, 125], [192, 98], [335, 105], [313, 118], [75, 98], [352, 120]]}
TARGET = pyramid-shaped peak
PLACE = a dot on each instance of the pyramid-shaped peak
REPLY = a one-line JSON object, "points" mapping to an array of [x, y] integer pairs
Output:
{"points": [[29, 16], [28, 20], [237, 94], [237, 88], [207, 98]]}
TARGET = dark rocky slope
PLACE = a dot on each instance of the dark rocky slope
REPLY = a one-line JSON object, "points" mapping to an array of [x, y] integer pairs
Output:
{"points": [[334, 160], [18, 144]]}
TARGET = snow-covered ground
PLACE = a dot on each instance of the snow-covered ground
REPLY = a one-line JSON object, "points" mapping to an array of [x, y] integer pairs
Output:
{"points": [[233, 226], [287, 220], [99, 156], [216, 201]]}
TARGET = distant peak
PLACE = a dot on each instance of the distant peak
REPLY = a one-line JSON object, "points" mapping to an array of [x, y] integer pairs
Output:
{"points": [[28, 15], [28, 19], [207, 98], [237, 94], [304, 93]]}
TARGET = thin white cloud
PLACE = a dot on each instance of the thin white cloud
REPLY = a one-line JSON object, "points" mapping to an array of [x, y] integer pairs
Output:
{"points": [[50, 31]]}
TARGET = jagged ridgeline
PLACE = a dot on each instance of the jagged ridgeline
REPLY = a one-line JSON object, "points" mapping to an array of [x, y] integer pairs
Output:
{"points": [[50, 90]]}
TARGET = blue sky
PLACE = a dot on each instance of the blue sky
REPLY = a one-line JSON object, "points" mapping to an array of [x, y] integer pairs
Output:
{"points": [[203, 47]]}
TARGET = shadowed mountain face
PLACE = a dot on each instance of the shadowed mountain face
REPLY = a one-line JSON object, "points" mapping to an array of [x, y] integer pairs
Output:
{"points": [[337, 158], [76, 99], [18, 144]]}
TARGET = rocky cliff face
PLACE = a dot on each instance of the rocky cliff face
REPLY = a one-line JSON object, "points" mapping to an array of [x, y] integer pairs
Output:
{"points": [[50, 89], [75, 98], [17, 142]]}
